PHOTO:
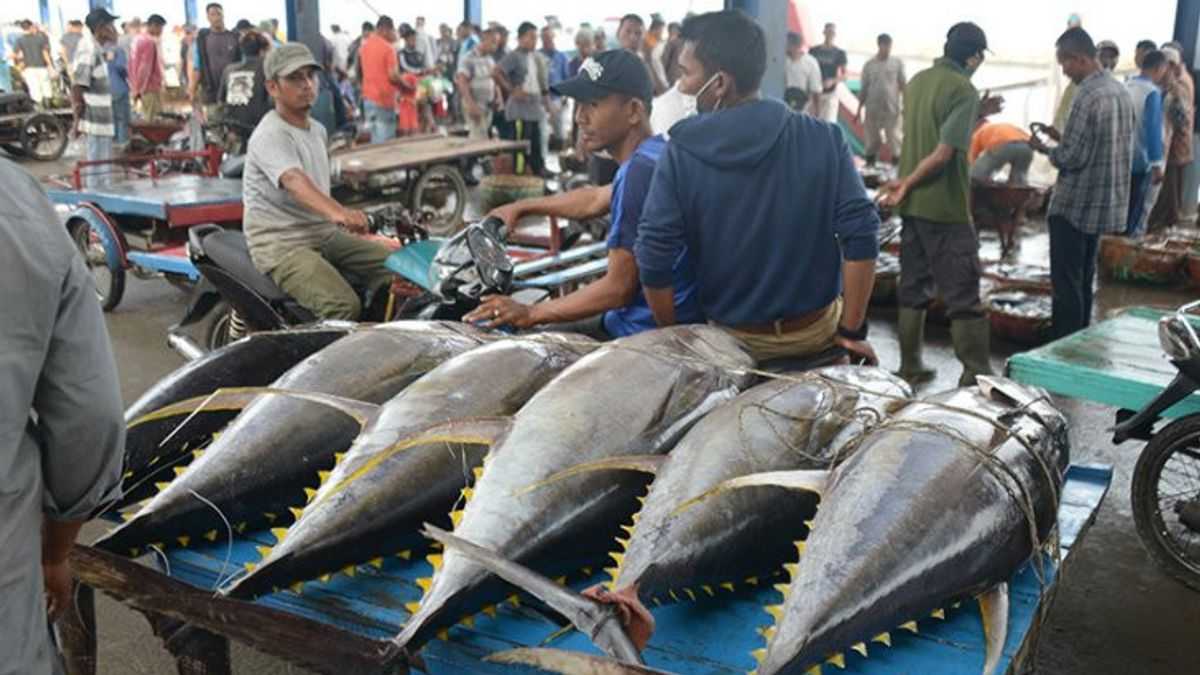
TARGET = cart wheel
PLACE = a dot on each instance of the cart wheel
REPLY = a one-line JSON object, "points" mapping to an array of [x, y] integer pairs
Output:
{"points": [[438, 200], [13, 149], [110, 283], [1166, 497], [43, 137]]}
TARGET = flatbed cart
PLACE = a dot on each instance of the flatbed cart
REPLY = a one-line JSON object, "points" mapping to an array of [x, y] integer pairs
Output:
{"points": [[425, 169], [342, 625], [139, 221]]}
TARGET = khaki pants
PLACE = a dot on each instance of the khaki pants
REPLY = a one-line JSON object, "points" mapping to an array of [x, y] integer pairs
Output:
{"points": [[317, 279], [151, 105], [881, 129], [479, 128], [812, 339]]}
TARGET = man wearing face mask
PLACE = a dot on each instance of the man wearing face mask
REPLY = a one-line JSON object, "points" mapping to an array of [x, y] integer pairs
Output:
{"points": [[939, 247], [767, 204]]}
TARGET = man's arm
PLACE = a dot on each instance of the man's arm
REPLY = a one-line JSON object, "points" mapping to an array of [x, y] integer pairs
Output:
{"points": [[464, 89], [1152, 119], [955, 136], [506, 85], [305, 191], [580, 204], [1074, 152], [660, 239]]}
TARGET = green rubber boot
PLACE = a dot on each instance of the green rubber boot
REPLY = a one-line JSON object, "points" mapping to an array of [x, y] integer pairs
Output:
{"points": [[972, 340], [910, 327]]}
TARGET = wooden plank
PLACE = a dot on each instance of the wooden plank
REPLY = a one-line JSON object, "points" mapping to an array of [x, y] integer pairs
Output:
{"points": [[370, 604], [408, 154], [1116, 362], [292, 638]]}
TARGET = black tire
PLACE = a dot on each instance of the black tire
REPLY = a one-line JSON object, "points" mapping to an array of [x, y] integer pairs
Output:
{"points": [[13, 149], [217, 335], [432, 191], [110, 282], [43, 137], [1180, 438]]}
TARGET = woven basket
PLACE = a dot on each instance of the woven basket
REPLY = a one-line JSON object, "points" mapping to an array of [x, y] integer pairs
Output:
{"points": [[498, 190], [1030, 327], [1151, 262]]}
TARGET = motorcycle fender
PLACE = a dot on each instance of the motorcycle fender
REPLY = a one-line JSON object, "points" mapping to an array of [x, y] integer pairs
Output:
{"points": [[1141, 424], [110, 235]]}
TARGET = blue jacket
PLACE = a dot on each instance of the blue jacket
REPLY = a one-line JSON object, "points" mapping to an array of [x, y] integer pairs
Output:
{"points": [[767, 203]]}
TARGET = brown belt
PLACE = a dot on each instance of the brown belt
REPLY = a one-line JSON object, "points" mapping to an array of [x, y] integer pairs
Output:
{"points": [[784, 326]]}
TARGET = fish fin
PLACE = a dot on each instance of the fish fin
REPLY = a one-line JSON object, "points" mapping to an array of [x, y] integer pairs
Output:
{"points": [[338, 457], [861, 648], [297, 587], [263, 551], [938, 613], [709, 589], [490, 610], [325, 578], [752, 581], [407, 555], [468, 621], [643, 463], [468, 493], [237, 398], [884, 639], [776, 611], [993, 607], [456, 517], [296, 512], [412, 607], [350, 570], [590, 617], [434, 560], [728, 586], [250, 567], [211, 535], [811, 481], [377, 563], [280, 533], [271, 517], [910, 626], [838, 660], [160, 486], [179, 470], [183, 540], [443, 634], [424, 583], [690, 594], [568, 662], [309, 494], [759, 655], [323, 476]]}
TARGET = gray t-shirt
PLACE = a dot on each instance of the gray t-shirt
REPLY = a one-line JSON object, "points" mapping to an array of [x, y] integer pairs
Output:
{"points": [[33, 46], [478, 70], [522, 70], [881, 82], [274, 222], [70, 42]]}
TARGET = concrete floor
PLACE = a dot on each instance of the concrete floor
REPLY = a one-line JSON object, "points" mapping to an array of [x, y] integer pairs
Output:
{"points": [[1115, 612]]}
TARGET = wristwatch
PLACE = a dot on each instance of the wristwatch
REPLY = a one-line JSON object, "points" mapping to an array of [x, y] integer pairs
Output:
{"points": [[855, 335]]}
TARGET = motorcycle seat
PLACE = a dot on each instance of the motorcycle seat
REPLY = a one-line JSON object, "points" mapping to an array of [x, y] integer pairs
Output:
{"points": [[228, 249]]}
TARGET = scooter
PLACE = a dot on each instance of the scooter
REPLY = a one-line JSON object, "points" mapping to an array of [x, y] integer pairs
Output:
{"points": [[435, 280], [1166, 479]]}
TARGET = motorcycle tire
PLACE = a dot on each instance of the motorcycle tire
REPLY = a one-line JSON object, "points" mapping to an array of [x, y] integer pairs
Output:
{"points": [[217, 334], [110, 282], [1176, 437]]}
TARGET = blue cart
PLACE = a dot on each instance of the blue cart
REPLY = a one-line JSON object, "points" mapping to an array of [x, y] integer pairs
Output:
{"points": [[342, 625]]}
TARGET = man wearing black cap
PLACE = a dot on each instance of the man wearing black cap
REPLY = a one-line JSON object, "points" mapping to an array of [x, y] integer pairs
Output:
{"points": [[939, 246], [91, 96], [612, 95], [291, 221]]}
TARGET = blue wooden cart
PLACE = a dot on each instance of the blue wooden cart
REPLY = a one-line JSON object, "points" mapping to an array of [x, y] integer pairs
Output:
{"points": [[341, 625]]}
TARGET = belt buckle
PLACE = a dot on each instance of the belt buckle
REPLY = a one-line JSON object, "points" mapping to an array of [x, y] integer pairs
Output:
{"points": [[778, 324]]}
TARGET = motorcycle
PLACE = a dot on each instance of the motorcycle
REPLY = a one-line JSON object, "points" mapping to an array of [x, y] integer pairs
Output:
{"points": [[1166, 479], [436, 279]]}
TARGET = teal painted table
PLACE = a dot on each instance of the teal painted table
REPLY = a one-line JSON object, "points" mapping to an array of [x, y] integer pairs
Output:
{"points": [[1117, 362]]}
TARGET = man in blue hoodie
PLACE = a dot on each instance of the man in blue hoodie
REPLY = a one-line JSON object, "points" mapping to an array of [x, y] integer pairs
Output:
{"points": [[767, 203], [612, 93]]}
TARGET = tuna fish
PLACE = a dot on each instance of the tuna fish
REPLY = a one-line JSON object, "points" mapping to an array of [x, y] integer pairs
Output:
{"points": [[155, 443], [944, 502], [256, 469], [381, 491], [634, 396]]}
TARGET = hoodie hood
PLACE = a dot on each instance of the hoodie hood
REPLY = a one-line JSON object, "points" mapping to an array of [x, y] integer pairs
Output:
{"points": [[734, 138]]}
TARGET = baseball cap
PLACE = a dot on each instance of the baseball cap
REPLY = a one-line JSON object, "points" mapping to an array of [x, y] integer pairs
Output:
{"points": [[98, 17], [969, 34], [1108, 44], [406, 30], [616, 71], [156, 19], [287, 59], [244, 24]]}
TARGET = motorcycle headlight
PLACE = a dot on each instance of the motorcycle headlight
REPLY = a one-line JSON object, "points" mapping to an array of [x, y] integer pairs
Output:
{"points": [[1177, 338]]}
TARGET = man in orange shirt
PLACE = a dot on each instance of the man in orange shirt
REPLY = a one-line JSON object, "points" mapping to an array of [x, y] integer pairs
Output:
{"points": [[995, 144], [381, 80]]}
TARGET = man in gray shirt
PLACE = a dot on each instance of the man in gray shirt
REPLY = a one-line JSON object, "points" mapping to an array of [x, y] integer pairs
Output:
{"points": [[474, 80], [33, 53], [523, 78], [290, 219], [882, 84], [61, 426]]}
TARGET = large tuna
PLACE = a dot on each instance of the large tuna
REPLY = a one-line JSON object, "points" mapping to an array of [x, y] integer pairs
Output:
{"points": [[155, 443], [255, 470], [942, 503], [634, 396], [381, 491]]}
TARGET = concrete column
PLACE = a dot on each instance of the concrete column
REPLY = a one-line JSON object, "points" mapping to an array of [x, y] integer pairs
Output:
{"points": [[304, 23], [772, 15], [473, 11], [190, 15]]}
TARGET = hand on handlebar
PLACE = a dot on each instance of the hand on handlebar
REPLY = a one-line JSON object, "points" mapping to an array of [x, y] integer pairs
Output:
{"points": [[509, 213], [501, 310], [353, 220]]}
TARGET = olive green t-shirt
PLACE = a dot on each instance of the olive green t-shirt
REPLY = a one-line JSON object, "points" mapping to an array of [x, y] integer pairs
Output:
{"points": [[940, 106]]}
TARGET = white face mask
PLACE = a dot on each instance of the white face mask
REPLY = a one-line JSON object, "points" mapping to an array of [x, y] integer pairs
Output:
{"points": [[696, 98]]}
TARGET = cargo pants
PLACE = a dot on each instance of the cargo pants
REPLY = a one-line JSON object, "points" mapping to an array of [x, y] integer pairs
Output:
{"points": [[941, 257], [320, 278]]}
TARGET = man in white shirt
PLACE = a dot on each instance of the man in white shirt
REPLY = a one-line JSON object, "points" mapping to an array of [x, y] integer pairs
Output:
{"points": [[341, 49], [426, 43], [803, 75]]}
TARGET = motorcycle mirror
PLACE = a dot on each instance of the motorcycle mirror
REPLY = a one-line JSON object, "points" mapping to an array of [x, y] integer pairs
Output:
{"points": [[494, 227], [492, 264]]}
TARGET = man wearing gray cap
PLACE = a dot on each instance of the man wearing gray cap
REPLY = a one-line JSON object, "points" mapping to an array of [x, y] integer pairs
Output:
{"points": [[290, 220]]}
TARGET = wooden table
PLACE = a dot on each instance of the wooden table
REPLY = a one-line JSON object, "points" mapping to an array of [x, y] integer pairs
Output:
{"points": [[341, 626], [355, 165]]}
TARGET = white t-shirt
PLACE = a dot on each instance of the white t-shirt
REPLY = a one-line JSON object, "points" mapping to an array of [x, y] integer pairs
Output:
{"points": [[804, 73]]}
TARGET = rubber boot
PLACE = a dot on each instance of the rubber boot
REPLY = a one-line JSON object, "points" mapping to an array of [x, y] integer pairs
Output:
{"points": [[972, 340], [910, 327]]}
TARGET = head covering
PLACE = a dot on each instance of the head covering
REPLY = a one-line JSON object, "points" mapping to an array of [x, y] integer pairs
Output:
{"points": [[98, 17], [1108, 44], [613, 72], [287, 59], [156, 20], [968, 34], [244, 24]]}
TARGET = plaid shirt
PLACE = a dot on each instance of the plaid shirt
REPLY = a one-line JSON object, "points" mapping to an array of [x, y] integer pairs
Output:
{"points": [[1095, 157]]}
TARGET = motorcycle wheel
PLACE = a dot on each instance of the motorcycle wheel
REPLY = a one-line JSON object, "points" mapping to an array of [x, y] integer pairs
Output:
{"points": [[1167, 476], [110, 282], [220, 330], [439, 198]]}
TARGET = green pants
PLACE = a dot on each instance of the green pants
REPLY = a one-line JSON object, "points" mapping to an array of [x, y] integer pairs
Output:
{"points": [[320, 279]]}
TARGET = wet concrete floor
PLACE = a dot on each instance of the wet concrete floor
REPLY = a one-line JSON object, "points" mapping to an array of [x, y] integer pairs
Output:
{"points": [[1114, 611]]}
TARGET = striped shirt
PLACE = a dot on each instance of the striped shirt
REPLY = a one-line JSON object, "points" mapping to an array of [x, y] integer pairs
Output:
{"points": [[90, 72], [1095, 158]]}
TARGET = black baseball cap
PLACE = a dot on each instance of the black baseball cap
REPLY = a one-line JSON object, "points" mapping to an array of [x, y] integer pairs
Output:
{"points": [[969, 34], [98, 17], [243, 24], [616, 71], [156, 19]]}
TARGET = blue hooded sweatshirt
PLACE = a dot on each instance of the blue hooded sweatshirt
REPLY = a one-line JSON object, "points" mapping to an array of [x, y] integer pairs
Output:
{"points": [[767, 203]]}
